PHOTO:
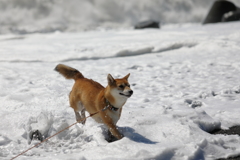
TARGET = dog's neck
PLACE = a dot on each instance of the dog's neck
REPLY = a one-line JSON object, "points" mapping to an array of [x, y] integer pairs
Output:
{"points": [[110, 106], [114, 98]]}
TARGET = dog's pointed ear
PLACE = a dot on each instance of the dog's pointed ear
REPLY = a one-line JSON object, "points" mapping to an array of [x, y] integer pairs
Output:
{"points": [[126, 77], [110, 79]]}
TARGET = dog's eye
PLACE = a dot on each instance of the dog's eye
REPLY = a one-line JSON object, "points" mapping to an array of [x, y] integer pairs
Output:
{"points": [[121, 86]]}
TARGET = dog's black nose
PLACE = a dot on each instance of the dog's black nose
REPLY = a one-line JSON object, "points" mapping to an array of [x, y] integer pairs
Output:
{"points": [[130, 92]]}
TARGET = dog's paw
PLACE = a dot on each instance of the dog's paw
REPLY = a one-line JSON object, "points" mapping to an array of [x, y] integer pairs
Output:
{"points": [[110, 138], [83, 122]]}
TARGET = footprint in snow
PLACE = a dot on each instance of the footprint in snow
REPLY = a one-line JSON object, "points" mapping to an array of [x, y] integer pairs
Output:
{"points": [[193, 103], [38, 128], [136, 67]]}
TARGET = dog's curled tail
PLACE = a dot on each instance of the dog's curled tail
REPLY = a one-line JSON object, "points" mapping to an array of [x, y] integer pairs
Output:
{"points": [[68, 72]]}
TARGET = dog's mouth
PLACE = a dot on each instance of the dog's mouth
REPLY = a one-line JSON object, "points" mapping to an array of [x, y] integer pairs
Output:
{"points": [[129, 95]]}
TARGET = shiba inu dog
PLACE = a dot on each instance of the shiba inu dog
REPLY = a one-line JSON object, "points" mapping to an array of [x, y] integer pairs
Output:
{"points": [[88, 95]]}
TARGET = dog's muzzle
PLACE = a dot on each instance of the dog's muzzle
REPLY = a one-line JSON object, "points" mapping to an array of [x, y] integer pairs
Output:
{"points": [[127, 94]]}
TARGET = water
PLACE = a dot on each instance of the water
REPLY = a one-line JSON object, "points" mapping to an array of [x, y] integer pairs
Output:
{"points": [[42, 16]]}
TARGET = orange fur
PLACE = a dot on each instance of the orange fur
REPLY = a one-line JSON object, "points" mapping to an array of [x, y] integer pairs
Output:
{"points": [[91, 96]]}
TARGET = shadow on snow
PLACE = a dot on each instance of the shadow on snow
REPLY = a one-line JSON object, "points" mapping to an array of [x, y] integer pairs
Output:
{"points": [[134, 136]]}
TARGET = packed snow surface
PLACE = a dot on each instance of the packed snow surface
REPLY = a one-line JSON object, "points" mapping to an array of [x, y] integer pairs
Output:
{"points": [[185, 80]]}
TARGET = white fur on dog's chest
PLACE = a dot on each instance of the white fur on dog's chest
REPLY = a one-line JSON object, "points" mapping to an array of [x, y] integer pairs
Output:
{"points": [[114, 115]]}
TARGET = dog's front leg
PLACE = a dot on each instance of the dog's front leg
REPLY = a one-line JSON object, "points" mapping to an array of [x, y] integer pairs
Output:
{"points": [[114, 131], [111, 126]]}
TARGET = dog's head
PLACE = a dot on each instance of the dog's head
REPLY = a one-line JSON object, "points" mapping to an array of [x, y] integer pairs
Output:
{"points": [[120, 87]]}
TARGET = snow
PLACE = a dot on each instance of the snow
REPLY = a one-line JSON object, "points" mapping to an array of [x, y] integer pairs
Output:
{"points": [[185, 80]]}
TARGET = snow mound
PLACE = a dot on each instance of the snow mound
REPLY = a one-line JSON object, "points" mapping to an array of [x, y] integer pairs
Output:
{"points": [[140, 51]]}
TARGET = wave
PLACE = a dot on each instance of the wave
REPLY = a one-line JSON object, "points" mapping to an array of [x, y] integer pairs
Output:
{"points": [[31, 16]]}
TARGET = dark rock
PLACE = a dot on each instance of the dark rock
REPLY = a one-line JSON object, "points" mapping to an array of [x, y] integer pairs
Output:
{"points": [[147, 24], [230, 131], [36, 135], [235, 130], [230, 158], [231, 16], [218, 10]]}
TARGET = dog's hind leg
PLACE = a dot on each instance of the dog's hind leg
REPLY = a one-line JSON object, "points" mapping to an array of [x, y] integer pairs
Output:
{"points": [[83, 116], [80, 108], [80, 118], [77, 115]]}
